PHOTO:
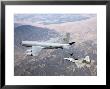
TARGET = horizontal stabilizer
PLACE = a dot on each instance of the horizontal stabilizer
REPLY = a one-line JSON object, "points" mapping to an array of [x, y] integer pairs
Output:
{"points": [[71, 43]]}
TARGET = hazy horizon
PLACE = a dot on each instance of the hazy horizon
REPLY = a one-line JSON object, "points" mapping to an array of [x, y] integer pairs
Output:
{"points": [[50, 18]]}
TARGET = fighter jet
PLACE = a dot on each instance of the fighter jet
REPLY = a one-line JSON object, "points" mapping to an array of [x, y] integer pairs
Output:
{"points": [[36, 46], [84, 60]]}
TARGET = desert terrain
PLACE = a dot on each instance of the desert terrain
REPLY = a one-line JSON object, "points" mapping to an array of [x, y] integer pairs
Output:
{"points": [[50, 62]]}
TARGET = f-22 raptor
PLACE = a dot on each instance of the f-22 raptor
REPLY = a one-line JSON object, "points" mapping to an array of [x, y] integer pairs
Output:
{"points": [[36, 46]]}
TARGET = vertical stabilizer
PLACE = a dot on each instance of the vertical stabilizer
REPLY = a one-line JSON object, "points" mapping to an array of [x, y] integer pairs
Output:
{"points": [[66, 38]]}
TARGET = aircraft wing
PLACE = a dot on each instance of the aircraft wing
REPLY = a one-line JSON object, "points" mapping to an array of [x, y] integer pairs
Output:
{"points": [[36, 50]]}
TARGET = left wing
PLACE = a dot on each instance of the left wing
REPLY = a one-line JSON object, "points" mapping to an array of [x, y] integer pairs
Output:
{"points": [[34, 51]]}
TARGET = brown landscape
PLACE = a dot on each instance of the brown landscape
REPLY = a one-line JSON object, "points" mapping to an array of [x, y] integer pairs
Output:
{"points": [[51, 62]]}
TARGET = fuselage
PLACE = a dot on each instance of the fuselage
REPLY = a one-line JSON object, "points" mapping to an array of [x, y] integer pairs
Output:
{"points": [[43, 44]]}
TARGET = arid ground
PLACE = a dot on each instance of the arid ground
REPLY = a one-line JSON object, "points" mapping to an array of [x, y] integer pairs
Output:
{"points": [[50, 62]]}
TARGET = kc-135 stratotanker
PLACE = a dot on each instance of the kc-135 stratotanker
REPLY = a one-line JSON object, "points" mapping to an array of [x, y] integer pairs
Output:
{"points": [[36, 46]]}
